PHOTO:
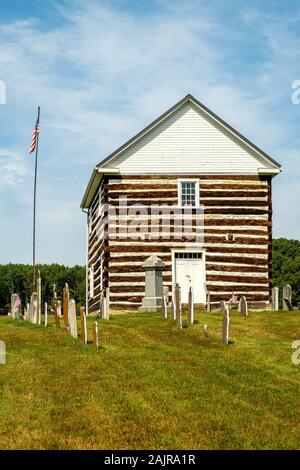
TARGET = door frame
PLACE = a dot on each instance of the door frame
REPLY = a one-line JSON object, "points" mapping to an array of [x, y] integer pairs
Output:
{"points": [[189, 249]]}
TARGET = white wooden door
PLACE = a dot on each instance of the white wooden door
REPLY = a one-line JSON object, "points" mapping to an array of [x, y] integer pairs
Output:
{"points": [[189, 271]]}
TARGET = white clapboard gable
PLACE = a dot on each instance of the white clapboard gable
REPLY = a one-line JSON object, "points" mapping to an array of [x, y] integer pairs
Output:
{"points": [[189, 141]]}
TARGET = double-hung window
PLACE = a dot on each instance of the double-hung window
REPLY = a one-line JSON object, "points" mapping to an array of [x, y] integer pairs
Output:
{"points": [[188, 192]]}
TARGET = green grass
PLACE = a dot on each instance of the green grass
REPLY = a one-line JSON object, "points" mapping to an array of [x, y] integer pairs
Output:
{"points": [[152, 386]]}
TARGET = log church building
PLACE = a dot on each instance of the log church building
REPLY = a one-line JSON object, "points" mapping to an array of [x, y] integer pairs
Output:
{"points": [[193, 191]]}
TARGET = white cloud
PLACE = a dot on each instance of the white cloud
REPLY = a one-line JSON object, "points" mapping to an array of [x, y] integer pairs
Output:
{"points": [[104, 73]]}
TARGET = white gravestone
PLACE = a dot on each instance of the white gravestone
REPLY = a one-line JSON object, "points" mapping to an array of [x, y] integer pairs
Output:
{"points": [[275, 299], [226, 320], [243, 306], [72, 319]]}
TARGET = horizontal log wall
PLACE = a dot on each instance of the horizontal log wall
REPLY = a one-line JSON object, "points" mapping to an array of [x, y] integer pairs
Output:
{"points": [[97, 245], [233, 205]]}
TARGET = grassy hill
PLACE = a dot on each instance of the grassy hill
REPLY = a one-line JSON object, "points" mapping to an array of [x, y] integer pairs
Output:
{"points": [[152, 386]]}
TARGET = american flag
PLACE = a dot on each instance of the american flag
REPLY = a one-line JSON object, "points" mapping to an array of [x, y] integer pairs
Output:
{"points": [[35, 136], [17, 303]]}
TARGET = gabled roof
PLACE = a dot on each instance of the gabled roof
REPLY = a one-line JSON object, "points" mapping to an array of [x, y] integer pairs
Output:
{"points": [[188, 98], [104, 168]]}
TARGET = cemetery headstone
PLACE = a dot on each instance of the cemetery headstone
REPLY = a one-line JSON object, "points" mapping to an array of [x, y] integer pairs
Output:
{"points": [[223, 306], [226, 320], [174, 301], [15, 306], [164, 308], [66, 305], [275, 299], [208, 306], [72, 319], [191, 306], [34, 308], [106, 304], [83, 329], [46, 314], [56, 317], [243, 306], [172, 310], [96, 334], [286, 295], [152, 301], [59, 308], [178, 306]]}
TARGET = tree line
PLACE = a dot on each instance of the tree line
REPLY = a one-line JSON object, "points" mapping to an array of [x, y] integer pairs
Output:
{"points": [[18, 277]]}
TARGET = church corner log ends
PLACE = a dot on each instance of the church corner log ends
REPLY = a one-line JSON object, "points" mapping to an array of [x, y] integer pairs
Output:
{"points": [[193, 192]]}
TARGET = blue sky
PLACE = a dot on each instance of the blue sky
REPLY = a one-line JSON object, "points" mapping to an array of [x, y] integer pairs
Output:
{"points": [[102, 70]]}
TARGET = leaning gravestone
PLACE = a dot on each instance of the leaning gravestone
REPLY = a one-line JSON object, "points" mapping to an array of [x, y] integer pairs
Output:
{"points": [[72, 319], [286, 297], [226, 320], [275, 299], [243, 306]]}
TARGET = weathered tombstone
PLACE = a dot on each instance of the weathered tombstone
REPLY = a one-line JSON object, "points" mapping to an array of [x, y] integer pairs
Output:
{"points": [[191, 306], [59, 308], [72, 319], [243, 306], [26, 313], [226, 320], [2, 352], [46, 314], [34, 308], [208, 306], [101, 305], [178, 306], [172, 310], [83, 329], [223, 306], [106, 304], [286, 295], [164, 308], [166, 299], [173, 316], [96, 334], [15, 306], [39, 300], [275, 299], [152, 301], [288, 303], [56, 317], [66, 299]]}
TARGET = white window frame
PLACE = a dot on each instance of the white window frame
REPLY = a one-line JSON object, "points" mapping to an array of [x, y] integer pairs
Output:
{"points": [[197, 195]]}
